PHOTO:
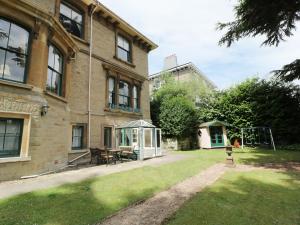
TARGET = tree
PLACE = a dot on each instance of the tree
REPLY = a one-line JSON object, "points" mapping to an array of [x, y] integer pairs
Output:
{"points": [[275, 19], [257, 102], [173, 109], [177, 117]]}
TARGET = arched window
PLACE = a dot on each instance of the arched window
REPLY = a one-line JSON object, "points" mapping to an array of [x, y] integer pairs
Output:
{"points": [[135, 96], [55, 71], [71, 19], [124, 97], [13, 51]]}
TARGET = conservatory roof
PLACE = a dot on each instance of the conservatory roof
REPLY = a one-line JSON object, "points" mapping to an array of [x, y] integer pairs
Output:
{"points": [[214, 124], [136, 123]]}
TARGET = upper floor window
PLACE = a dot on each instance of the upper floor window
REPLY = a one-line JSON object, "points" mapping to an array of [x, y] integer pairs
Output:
{"points": [[135, 96], [55, 71], [111, 92], [124, 97], [13, 51], [123, 49], [71, 19]]}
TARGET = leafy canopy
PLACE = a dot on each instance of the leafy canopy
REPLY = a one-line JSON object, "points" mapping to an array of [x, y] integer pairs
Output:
{"points": [[274, 19], [257, 102], [173, 107]]}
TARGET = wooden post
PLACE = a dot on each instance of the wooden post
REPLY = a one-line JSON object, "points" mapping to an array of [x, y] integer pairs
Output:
{"points": [[242, 138]]}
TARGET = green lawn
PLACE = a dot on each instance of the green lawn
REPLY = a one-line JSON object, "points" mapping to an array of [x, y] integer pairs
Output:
{"points": [[90, 201], [243, 198]]}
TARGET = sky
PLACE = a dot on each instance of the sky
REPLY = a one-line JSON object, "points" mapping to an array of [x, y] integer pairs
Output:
{"points": [[188, 29]]}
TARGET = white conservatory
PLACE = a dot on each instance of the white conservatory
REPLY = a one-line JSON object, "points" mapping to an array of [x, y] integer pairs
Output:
{"points": [[140, 136]]}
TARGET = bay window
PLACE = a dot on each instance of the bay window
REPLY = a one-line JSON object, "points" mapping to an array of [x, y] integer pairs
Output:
{"points": [[55, 71], [111, 92], [124, 95], [13, 51]]}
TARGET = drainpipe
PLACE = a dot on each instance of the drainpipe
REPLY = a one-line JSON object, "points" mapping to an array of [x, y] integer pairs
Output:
{"points": [[90, 76]]}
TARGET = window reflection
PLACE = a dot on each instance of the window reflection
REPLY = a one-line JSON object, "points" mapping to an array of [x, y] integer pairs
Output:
{"points": [[13, 51], [71, 20], [55, 71]]}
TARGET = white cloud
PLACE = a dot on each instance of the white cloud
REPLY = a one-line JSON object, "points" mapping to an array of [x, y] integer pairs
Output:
{"points": [[187, 28]]}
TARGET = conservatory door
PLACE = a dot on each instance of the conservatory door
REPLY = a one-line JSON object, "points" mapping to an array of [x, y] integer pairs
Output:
{"points": [[158, 142], [149, 149], [134, 138]]}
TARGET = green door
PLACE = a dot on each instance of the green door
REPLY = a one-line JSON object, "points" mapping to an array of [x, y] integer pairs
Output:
{"points": [[216, 136]]}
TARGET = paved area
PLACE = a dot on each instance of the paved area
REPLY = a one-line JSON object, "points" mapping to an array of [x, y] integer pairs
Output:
{"points": [[160, 207], [10, 188]]}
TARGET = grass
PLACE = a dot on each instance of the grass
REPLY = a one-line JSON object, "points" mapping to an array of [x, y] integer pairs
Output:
{"points": [[242, 198], [92, 200]]}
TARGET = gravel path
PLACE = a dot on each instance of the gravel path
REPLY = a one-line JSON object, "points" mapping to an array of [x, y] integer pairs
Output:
{"points": [[156, 209], [11, 188]]}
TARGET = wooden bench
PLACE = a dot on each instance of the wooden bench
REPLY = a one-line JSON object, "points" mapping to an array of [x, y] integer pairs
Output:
{"points": [[128, 152]]}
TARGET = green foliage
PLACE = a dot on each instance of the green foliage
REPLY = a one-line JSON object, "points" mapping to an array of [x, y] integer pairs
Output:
{"points": [[173, 105], [275, 19], [258, 103], [177, 117]]}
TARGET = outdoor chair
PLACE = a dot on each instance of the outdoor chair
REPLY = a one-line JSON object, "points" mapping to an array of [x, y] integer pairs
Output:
{"points": [[95, 154], [106, 156], [128, 153]]}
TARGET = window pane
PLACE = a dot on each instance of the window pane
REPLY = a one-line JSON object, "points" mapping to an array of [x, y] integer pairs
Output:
{"points": [[51, 57], [14, 67], [1, 143], [18, 39], [134, 91], [2, 127], [77, 17], [4, 33], [13, 127], [147, 138], [48, 85], [56, 83], [11, 143], [65, 10], [2, 57], [57, 61], [111, 84], [122, 54]]}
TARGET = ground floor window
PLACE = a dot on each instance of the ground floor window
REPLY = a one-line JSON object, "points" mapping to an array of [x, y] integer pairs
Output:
{"points": [[124, 137], [10, 137], [108, 137], [77, 137]]}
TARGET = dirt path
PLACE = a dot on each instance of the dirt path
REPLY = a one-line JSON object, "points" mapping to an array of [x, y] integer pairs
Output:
{"points": [[156, 209]]}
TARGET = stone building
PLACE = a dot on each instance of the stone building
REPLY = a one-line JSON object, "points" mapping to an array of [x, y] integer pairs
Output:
{"points": [[197, 82], [70, 72], [182, 73]]}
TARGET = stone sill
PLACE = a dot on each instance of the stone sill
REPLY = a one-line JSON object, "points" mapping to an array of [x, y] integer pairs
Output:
{"points": [[17, 85], [122, 112], [83, 41], [62, 99], [78, 151], [125, 62], [15, 159]]}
